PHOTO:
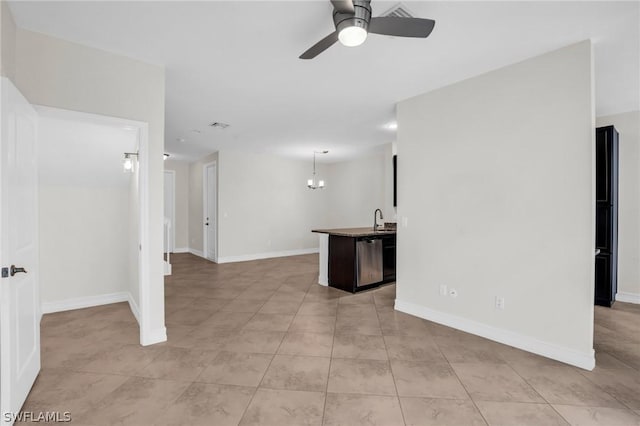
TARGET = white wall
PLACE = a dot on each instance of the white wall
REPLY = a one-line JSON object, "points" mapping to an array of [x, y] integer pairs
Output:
{"points": [[182, 202], [84, 249], [57, 73], [7, 42], [265, 206], [356, 188], [496, 183], [628, 126]]}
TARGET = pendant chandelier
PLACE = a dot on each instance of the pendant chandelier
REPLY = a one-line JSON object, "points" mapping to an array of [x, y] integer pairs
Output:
{"points": [[315, 182]]}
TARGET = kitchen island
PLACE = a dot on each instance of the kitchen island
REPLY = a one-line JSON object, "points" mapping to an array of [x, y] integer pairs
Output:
{"points": [[355, 259]]}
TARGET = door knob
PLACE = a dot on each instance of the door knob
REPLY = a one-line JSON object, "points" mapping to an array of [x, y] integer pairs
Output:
{"points": [[15, 270]]}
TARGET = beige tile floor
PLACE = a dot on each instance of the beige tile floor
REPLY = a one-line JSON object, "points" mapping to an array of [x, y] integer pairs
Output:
{"points": [[260, 343]]}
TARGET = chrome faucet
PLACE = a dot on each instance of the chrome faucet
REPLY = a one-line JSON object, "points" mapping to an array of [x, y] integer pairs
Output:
{"points": [[375, 219]]}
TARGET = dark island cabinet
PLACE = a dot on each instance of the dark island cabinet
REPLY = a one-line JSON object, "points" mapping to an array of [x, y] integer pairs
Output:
{"points": [[348, 261], [342, 260]]}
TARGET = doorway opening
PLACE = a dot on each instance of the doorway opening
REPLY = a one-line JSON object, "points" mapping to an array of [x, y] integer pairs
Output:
{"points": [[210, 210], [170, 209], [93, 219], [169, 218]]}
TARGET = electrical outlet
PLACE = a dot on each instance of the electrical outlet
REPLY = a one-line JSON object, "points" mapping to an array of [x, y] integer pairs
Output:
{"points": [[499, 302], [453, 292], [443, 290]]}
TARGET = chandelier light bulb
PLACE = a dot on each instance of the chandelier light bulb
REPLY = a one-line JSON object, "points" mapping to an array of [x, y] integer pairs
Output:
{"points": [[314, 182]]}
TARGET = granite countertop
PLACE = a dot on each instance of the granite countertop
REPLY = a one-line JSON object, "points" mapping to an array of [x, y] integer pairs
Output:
{"points": [[355, 232]]}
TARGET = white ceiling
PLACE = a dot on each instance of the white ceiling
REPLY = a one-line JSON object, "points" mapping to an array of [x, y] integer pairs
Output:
{"points": [[237, 62], [83, 153]]}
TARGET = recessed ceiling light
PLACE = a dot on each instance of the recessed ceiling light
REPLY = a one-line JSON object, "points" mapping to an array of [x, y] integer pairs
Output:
{"points": [[392, 126]]}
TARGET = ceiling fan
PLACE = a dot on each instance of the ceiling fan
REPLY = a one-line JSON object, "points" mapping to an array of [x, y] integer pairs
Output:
{"points": [[353, 22]]}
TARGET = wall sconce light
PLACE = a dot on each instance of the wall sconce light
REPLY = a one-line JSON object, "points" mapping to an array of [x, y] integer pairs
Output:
{"points": [[128, 163], [165, 156], [314, 182]]}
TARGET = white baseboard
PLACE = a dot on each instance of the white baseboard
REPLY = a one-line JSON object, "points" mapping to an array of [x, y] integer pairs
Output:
{"points": [[181, 250], [268, 255], [147, 338], [84, 302], [91, 301], [585, 360], [196, 252], [623, 296], [134, 308], [152, 337]]}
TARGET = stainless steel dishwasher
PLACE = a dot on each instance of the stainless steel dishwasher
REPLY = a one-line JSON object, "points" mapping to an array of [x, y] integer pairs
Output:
{"points": [[368, 261]]}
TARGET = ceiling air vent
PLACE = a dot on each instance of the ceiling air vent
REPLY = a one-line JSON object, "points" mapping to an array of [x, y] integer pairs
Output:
{"points": [[219, 125], [399, 11]]}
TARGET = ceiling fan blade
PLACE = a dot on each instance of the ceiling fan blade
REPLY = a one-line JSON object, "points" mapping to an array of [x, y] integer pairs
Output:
{"points": [[343, 6], [320, 46], [401, 27]]}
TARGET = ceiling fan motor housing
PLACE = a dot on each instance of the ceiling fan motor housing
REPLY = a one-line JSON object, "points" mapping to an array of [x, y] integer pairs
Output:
{"points": [[360, 17]]}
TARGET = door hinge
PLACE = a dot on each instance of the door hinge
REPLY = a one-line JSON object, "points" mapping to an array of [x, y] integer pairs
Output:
{"points": [[5, 272]]}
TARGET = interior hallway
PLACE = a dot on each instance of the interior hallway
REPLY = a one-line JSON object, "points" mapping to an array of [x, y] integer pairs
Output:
{"points": [[260, 343]]}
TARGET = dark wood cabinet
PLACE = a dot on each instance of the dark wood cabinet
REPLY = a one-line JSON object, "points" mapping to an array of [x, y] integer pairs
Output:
{"points": [[389, 258], [606, 262], [395, 180], [343, 261]]}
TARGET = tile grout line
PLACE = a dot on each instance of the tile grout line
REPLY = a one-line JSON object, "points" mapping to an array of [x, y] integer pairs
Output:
{"points": [[326, 392], [541, 396], [200, 374], [393, 377], [239, 330], [624, 404], [460, 381], [244, 413]]}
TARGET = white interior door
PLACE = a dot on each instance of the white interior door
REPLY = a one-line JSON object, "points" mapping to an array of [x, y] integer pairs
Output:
{"points": [[19, 297], [210, 218], [170, 208]]}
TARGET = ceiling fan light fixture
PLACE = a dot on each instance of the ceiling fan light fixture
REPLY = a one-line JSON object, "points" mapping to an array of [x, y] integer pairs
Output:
{"points": [[353, 21], [352, 36]]}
